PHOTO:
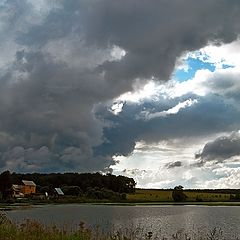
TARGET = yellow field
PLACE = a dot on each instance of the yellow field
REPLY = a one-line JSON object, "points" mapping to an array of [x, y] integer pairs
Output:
{"points": [[201, 196], [150, 195], [154, 195]]}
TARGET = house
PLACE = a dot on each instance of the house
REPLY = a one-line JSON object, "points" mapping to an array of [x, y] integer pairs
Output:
{"points": [[28, 187], [16, 191]]}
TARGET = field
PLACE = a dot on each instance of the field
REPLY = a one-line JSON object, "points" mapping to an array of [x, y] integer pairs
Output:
{"points": [[155, 195]]}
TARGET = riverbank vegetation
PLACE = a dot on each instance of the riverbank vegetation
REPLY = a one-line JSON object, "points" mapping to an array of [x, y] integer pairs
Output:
{"points": [[33, 230], [99, 188]]}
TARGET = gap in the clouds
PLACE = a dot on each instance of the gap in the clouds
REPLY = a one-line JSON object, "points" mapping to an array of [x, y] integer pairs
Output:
{"points": [[193, 65], [225, 66]]}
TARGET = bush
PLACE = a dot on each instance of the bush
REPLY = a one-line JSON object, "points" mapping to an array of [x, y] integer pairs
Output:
{"points": [[3, 218], [72, 190], [33, 230], [178, 194], [198, 199], [97, 193]]}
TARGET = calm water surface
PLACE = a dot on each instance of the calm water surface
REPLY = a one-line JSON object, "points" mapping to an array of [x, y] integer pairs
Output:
{"points": [[167, 219]]}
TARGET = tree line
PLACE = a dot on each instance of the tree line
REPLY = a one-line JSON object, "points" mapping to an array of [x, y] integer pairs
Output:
{"points": [[72, 183]]}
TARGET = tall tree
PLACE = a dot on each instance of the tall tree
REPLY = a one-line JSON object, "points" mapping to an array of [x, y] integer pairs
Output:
{"points": [[5, 184], [178, 194]]}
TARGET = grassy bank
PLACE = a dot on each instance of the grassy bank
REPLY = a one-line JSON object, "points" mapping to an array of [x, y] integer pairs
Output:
{"points": [[18, 206], [32, 230], [139, 197]]}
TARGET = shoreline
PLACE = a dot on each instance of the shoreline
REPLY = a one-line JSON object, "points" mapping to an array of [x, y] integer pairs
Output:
{"points": [[19, 206]]}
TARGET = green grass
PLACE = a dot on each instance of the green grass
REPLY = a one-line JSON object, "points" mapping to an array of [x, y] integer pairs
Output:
{"points": [[141, 196], [152, 195]]}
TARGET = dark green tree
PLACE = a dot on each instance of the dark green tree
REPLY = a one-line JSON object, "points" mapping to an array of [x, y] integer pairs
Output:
{"points": [[5, 184], [72, 190], [178, 194], [84, 181]]}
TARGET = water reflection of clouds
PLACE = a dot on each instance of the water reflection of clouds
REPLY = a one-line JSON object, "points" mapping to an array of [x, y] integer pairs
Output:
{"points": [[161, 220]]}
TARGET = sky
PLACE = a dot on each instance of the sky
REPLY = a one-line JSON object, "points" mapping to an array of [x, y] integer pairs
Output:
{"points": [[146, 89]]}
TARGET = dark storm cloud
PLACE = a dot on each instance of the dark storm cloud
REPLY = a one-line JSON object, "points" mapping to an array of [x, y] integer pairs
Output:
{"points": [[50, 109], [56, 67], [225, 84], [221, 148], [154, 33], [209, 115], [174, 164]]}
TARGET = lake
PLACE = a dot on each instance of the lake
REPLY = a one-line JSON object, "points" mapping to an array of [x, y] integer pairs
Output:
{"points": [[155, 218]]}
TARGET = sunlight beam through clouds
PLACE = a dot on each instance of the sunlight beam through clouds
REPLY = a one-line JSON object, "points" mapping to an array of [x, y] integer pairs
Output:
{"points": [[202, 80], [84, 82]]}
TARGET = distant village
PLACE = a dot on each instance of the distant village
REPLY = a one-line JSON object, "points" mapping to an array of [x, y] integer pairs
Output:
{"points": [[97, 187], [28, 188], [84, 186]]}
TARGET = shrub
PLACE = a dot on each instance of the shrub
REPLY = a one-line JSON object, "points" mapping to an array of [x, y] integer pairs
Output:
{"points": [[72, 190]]}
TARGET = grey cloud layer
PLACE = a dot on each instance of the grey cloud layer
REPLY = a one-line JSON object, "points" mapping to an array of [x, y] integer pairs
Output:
{"points": [[221, 148], [209, 115], [51, 108], [154, 33], [56, 67], [174, 164]]}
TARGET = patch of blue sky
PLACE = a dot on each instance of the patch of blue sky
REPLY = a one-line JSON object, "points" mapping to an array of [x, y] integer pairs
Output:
{"points": [[193, 65], [225, 66]]}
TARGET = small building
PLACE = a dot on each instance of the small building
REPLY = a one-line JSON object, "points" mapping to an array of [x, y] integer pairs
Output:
{"points": [[58, 192], [16, 191], [28, 187]]}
